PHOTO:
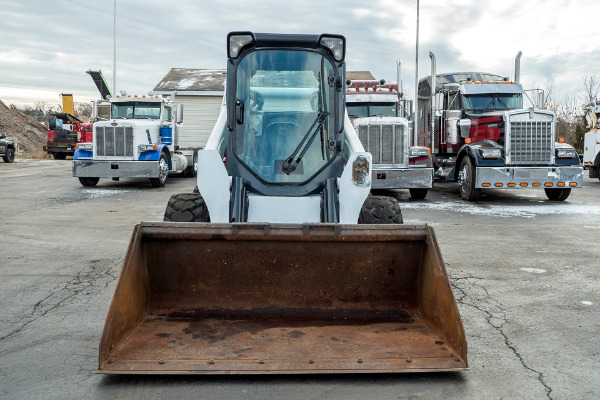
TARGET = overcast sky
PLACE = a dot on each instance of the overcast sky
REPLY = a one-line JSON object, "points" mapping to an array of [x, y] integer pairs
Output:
{"points": [[46, 46]]}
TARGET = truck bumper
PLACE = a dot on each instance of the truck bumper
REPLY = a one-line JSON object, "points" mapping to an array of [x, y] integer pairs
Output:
{"points": [[115, 169], [516, 177], [401, 178], [60, 149]]}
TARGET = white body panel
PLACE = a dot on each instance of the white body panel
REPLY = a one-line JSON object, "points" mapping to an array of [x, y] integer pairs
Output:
{"points": [[591, 147], [290, 210], [214, 184]]}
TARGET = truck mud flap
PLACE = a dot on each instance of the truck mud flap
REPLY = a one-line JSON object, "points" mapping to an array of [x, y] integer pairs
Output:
{"points": [[196, 298]]}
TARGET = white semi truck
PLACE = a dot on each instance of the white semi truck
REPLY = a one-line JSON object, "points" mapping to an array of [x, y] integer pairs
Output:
{"points": [[380, 115], [140, 140], [591, 141]]}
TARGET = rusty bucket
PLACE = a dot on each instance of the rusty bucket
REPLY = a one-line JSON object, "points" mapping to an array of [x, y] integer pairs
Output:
{"points": [[287, 299]]}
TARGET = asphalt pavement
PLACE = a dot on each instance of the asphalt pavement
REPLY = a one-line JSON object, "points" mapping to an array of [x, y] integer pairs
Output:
{"points": [[524, 272]]}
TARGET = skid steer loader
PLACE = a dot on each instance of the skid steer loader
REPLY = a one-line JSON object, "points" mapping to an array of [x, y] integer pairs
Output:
{"points": [[282, 262]]}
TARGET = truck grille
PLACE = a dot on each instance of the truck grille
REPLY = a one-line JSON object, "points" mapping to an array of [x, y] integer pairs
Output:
{"points": [[114, 141], [531, 142], [386, 143]]}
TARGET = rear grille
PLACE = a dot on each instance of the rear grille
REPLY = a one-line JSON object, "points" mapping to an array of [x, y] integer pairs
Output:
{"points": [[531, 142], [386, 143], [114, 141]]}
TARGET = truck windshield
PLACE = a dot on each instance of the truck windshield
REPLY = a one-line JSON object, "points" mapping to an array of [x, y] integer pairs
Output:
{"points": [[135, 109], [489, 101], [286, 113], [361, 110]]}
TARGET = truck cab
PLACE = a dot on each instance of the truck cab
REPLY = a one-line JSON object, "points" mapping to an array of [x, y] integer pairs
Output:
{"points": [[380, 117], [138, 141], [482, 136]]}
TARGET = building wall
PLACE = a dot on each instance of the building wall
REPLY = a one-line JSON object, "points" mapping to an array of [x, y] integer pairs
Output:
{"points": [[199, 116]]}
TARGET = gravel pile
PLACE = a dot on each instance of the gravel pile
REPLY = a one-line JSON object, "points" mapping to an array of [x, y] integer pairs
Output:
{"points": [[31, 134]]}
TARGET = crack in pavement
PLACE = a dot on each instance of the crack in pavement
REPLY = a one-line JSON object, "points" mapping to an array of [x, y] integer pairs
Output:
{"points": [[471, 294], [89, 282]]}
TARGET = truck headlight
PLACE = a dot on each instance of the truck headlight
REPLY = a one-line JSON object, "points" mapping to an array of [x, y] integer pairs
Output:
{"points": [[417, 151], [148, 147], [85, 146], [565, 153], [491, 153]]}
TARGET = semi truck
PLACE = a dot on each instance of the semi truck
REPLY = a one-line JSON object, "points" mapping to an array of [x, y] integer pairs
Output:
{"points": [[482, 136], [591, 141], [266, 271], [140, 140], [380, 116]]}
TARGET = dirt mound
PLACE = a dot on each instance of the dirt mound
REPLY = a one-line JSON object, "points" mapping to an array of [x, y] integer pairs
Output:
{"points": [[31, 134]]}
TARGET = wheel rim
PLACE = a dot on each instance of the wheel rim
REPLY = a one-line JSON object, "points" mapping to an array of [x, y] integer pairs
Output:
{"points": [[464, 178], [163, 170]]}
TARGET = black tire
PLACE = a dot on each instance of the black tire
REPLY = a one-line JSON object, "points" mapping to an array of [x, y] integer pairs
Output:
{"points": [[186, 207], [418, 194], [192, 171], [557, 194], [380, 210], [163, 172], [9, 156], [467, 180], [60, 156], [598, 171], [89, 181]]}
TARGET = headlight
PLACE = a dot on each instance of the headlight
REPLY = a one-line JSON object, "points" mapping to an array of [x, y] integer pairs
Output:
{"points": [[565, 153], [148, 147], [491, 153], [85, 146], [360, 171], [337, 45], [418, 151], [237, 40]]}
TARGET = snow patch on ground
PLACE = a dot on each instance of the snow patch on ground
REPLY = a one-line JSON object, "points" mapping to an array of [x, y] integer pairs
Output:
{"points": [[587, 303], [97, 193], [505, 211], [534, 270]]}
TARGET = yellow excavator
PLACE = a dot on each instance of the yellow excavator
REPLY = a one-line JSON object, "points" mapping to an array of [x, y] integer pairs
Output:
{"points": [[282, 261]]}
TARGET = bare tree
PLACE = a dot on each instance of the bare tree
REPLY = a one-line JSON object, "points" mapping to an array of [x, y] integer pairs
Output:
{"points": [[591, 88]]}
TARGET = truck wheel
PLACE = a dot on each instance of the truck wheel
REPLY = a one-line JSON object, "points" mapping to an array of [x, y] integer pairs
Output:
{"points": [[60, 156], [163, 172], [380, 210], [558, 194], [418, 194], [466, 180], [186, 207], [192, 170], [89, 181], [9, 156]]}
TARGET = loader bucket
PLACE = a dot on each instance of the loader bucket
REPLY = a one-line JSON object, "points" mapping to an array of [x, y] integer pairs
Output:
{"points": [[252, 299]]}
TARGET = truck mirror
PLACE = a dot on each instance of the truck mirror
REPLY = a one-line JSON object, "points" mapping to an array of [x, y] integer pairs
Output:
{"points": [[179, 111]]}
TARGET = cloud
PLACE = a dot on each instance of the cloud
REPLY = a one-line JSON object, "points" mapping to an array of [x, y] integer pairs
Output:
{"points": [[48, 46]]}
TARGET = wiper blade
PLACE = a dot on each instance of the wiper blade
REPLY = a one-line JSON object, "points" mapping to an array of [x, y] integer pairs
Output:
{"points": [[291, 162]]}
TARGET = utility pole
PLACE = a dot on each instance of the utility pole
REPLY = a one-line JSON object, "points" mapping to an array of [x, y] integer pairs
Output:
{"points": [[115, 50], [416, 129]]}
